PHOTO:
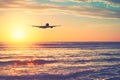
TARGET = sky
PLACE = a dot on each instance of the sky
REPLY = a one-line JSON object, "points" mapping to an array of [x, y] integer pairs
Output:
{"points": [[80, 20]]}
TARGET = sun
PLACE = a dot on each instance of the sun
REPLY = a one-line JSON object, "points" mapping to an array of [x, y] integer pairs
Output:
{"points": [[18, 35]]}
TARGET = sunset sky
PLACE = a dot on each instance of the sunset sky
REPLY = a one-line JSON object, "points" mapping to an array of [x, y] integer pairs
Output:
{"points": [[80, 20]]}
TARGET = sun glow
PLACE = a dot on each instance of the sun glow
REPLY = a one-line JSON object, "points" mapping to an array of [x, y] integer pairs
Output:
{"points": [[18, 35]]}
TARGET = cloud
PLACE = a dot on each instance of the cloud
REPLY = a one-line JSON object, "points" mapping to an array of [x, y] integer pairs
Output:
{"points": [[109, 1], [92, 12], [97, 12], [14, 3], [59, 0], [113, 1]]}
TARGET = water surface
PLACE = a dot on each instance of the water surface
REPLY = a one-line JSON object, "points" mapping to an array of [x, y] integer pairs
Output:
{"points": [[61, 61]]}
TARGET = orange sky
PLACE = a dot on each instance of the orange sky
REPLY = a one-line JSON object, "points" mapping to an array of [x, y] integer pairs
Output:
{"points": [[16, 26]]}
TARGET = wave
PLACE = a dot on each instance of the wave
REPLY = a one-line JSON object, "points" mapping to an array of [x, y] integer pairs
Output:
{"points": [[43, 76], [100, 60], [114, 78], [111, 72], [110, 54], [84, 75], [82, 45], [26, 62], [41, 62]]}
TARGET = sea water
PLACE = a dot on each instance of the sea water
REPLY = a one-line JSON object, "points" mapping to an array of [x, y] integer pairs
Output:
{"points": [[61, 61]]}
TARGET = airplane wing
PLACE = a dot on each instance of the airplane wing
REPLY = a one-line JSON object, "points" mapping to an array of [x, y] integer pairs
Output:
{"points": [[55, 25], [46, 26], [39, 26], [35, 26]]}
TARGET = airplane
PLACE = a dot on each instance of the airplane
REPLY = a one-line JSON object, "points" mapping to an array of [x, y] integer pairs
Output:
{"points": [[46, 26]]}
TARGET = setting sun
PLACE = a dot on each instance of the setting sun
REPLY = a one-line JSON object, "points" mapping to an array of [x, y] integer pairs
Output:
{"points": [[18, 35]]}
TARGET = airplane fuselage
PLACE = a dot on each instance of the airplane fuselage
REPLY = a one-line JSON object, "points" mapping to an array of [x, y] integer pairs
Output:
{"points": [[44, 26]]}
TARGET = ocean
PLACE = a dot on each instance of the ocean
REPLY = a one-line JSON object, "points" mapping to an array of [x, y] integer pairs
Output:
{"points": [[60, 61]]}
